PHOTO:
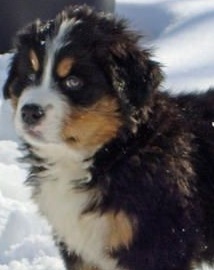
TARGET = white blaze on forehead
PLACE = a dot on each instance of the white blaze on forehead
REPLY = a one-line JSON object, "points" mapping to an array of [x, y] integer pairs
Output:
{"points": [[65, 27], [53, 47]]}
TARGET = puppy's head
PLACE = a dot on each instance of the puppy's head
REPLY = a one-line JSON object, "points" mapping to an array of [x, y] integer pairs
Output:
{"points": [[78, 80]]}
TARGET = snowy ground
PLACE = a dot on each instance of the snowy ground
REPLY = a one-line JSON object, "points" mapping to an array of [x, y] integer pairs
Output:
{"points": [[181, 32]]}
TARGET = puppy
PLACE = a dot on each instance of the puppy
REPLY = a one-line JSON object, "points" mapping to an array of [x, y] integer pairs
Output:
{"points": [[124, 173]]}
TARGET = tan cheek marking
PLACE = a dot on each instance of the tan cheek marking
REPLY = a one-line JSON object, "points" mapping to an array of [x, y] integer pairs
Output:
{"points": [[121, 230], [34, 60], [94, 126], [64, 67]]}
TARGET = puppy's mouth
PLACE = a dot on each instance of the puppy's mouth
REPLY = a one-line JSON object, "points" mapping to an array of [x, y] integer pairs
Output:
{"points": [[34, 131]]}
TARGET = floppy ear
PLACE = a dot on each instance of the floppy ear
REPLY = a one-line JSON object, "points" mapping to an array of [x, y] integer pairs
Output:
{"points": [[134, 74]]}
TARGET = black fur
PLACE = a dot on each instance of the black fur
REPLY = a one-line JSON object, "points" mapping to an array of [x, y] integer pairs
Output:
{"points": [[159, 170]]}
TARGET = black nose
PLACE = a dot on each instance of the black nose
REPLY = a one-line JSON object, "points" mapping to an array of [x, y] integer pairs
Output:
{"points": [[32, 113]]}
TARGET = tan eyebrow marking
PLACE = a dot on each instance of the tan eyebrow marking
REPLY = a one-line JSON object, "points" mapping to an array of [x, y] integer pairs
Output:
{"points": [[34, 60], [64, 67]]}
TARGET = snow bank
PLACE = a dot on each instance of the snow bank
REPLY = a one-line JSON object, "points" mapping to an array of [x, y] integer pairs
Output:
{"points": [[25, 241]]}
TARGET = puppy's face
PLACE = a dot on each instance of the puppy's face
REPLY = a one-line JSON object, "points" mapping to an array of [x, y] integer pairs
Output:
{"points": [[65, 82]]}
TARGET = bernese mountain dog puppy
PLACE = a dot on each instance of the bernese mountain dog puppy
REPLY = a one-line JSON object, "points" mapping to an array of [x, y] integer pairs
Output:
{"points": [[123, 172]]}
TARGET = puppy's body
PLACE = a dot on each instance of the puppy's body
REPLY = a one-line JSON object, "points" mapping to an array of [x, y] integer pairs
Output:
{"points": [[123, 172]]}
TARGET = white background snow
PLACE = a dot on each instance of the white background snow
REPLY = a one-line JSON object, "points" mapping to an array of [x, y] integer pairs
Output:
{"points": [[182, 35]]}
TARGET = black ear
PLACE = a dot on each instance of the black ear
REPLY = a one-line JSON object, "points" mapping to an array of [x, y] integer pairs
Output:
{"points": [[134, 74]]}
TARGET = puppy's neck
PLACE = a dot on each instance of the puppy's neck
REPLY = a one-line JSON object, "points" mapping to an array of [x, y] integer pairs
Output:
{"points": [[56, 163]]}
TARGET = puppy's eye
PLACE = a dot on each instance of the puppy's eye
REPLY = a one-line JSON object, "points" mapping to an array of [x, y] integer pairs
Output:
{"points": [[73, 83]]}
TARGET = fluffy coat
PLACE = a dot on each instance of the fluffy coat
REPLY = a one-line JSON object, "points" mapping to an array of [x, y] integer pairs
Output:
{"points": [[123, 172]]}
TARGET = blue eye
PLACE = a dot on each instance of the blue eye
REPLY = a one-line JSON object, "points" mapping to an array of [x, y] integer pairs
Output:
{"points": [[73, 83]]}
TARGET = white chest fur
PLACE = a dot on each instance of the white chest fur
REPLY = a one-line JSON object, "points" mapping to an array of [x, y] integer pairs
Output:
{"points": [[63, 205]]}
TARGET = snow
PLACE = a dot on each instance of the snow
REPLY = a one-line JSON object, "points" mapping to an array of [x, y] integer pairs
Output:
{"points": [[181, 33]]}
